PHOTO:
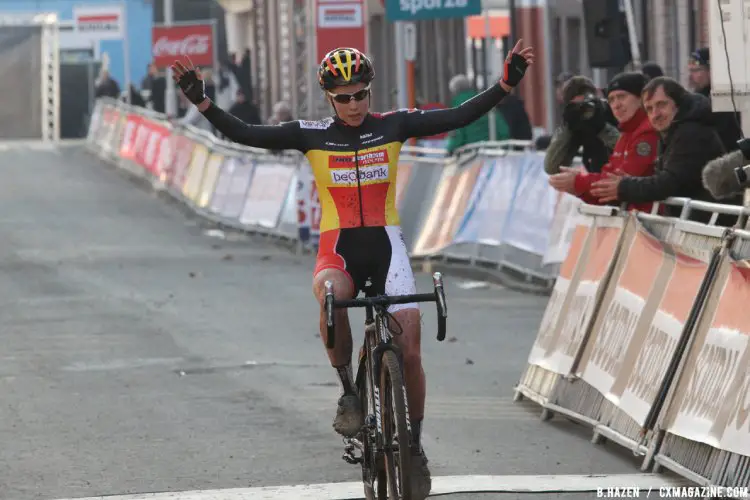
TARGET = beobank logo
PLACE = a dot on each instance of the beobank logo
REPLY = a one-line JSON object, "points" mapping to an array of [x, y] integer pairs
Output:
{"points": [[349, 176], [172, 43]]}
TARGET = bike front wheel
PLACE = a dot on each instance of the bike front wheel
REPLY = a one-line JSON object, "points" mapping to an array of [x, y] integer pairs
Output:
{"points": [[396, 437]]}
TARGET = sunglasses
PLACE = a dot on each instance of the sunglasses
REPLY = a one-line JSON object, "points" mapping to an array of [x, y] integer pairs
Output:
{"points": [[346, 98]]}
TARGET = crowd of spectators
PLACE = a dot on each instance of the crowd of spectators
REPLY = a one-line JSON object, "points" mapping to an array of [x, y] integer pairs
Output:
{"points": [[643, 139]]}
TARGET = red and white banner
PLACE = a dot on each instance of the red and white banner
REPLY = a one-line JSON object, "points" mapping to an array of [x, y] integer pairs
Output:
{"points": [[99, 22], [146, 144], [193, 41], [340, 23]]}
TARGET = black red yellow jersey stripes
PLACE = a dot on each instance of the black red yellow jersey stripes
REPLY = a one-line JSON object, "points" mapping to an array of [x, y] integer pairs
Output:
{"points": [[355, 168], [357, 188]]}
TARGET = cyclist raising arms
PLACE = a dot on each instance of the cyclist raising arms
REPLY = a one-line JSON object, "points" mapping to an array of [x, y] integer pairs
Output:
{"points": [[354, 158]]}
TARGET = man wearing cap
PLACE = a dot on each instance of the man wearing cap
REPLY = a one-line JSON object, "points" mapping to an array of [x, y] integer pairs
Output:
{"points": [[634, 153], [727, 123], [687, 141]]}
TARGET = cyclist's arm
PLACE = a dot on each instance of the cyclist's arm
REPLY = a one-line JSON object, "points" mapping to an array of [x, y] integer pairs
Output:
{"points": [[418, 123], [284, 136]]}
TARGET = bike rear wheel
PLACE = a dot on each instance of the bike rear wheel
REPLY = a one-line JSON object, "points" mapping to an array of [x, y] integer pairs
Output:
{"points": [[396, 437]]}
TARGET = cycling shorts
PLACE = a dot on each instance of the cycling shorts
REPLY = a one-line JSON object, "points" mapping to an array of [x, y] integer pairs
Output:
{"points": [[377, 253]]}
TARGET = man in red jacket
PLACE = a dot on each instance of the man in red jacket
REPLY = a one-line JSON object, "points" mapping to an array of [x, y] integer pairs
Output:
{"points": [[635, 152]]}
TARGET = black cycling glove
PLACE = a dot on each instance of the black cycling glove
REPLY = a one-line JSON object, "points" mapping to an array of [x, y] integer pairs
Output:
{"points": [[193, 87], [514, 69]]}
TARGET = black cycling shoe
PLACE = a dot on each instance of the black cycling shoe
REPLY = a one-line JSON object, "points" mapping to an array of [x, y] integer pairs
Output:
{"points": [[349, 418], [421, 480]]}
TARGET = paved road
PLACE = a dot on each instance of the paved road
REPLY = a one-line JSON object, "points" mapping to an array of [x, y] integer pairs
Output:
{"points": [[140, 354]]}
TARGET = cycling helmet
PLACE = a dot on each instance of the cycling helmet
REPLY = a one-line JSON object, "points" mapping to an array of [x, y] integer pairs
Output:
{"points": [[344, 66]]}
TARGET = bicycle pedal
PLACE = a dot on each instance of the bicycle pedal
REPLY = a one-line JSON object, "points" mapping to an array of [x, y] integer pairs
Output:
{"points": [[349, 458]]}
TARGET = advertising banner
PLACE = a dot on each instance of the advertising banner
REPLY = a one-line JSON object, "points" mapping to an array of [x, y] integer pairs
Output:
{"points": [[339, 23], [542, 352], [210, 176], [192, 186], [194, 41], [712, 398], [614, 354], [578, 308], [448, 208], [237, 192], [268, 192]]}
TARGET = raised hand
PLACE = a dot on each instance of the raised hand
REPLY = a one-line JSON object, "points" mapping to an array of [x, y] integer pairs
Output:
{"points": [[190, 81], [518, 60]]}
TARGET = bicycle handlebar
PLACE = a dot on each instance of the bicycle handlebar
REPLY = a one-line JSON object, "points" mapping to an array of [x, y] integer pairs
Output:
{"points": [[438, 296]]}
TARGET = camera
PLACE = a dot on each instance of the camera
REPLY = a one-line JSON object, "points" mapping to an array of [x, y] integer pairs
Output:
{"points": [[587, 108]]}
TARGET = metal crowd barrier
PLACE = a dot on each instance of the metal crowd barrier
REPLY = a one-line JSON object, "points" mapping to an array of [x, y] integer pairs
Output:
{"points": [[645, 340]]}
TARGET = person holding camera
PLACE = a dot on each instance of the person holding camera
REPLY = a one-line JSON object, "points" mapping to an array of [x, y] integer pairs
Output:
{"points": [[635, 152], [587, 124]]}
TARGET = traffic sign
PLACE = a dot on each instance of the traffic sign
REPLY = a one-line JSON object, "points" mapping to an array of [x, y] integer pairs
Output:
{"points": [[414, 10]]}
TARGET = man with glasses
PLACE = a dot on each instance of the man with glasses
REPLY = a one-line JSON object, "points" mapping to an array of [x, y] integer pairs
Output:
{"points": [[354, 158]]}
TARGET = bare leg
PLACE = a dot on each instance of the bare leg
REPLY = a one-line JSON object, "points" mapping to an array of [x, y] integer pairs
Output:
{"points": [[349, 416]]}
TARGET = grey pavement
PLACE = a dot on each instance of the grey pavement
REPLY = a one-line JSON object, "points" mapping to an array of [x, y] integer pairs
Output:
{"points": [[141, 355]]}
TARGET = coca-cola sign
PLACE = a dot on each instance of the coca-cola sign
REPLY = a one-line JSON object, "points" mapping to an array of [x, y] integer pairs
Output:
{"points": [[194, 41]]}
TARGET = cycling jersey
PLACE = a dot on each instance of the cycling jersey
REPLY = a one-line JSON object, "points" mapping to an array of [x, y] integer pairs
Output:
{"points": [[355, 167]]}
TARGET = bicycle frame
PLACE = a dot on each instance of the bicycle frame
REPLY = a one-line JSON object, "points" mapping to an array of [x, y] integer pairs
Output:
{"points": [[377, 340]]}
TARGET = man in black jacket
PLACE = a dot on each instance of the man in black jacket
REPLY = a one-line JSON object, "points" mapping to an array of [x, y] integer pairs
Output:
{"points": [[689, 140]]}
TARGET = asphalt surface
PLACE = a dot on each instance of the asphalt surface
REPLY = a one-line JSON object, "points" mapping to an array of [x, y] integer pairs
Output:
{"points": [[140, 354]]}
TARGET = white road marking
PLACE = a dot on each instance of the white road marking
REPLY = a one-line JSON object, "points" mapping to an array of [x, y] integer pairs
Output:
{"points": [[440, 486], [438, 407]]}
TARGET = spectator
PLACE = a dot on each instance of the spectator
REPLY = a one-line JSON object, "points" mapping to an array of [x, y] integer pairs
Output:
{"points": [[226, 87], [515, 116], [651, 70], [106, 86], [586, 124], [727, 123], [245, 110], [281, 113], [688, 140], [242, 73], [462, 90], [156, 85], [136, 99], [635, 151]]}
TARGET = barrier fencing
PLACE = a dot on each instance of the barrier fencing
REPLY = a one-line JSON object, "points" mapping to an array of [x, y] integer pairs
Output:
{"points": [[645, 339], [645, 335]]}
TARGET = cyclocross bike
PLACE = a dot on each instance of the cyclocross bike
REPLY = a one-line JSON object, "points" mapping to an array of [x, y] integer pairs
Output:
{"points": [[380, 385]]}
